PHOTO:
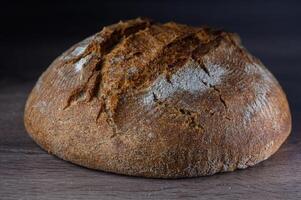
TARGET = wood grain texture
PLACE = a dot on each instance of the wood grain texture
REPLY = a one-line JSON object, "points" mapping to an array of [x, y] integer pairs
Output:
{"points": [[28, 172]]}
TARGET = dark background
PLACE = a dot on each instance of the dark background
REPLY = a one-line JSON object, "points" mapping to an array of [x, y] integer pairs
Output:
{"points": [[32, 34]]}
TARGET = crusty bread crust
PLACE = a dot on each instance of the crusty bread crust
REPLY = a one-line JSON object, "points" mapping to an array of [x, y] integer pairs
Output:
{"points": [[158, 100]]}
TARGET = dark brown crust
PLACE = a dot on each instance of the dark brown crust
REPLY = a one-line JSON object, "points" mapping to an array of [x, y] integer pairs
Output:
{"points": [[158, 100]]}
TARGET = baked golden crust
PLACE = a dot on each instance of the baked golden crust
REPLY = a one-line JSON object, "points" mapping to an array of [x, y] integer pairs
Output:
{"points": [[158, 100]]}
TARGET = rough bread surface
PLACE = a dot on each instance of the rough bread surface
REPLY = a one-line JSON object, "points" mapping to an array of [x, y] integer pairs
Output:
{"points": [[158, 100]]}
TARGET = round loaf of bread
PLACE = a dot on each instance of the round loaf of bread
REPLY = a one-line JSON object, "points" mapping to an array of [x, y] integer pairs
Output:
{"points": [[158, 100]]}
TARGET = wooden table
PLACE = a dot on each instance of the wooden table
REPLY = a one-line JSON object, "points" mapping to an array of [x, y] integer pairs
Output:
{"points": [[28, 172]]}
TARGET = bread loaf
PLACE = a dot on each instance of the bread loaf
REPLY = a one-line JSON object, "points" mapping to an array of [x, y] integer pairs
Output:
{"points": [[158, 100]]}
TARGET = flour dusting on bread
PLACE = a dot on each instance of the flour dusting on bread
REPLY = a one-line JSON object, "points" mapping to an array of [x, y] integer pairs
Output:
{"points": [[79, 50], [81, 63], [261, 88], [190, 78]]}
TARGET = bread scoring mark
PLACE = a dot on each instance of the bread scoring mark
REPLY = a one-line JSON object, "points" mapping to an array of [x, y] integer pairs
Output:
{"points": [[190, 78], [261, 88], [78, 66]]}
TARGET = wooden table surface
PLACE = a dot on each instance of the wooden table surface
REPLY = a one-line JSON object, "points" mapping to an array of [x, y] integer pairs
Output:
{"points": [[28, 172]]}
